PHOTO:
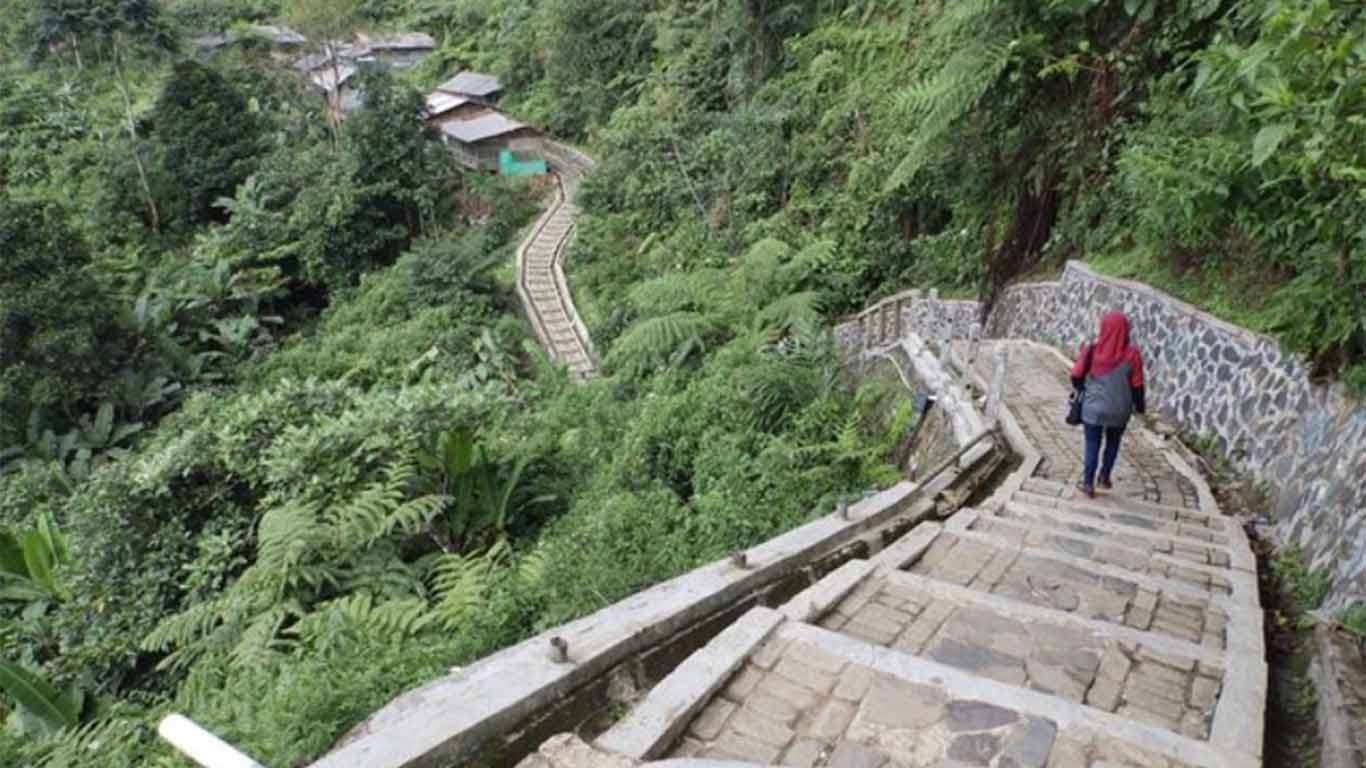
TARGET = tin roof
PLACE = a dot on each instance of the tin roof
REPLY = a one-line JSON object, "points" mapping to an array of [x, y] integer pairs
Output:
{"points": [[401, 41], [278, 35], [472, 84], [439, 103], [480, 128], [327, 79]]}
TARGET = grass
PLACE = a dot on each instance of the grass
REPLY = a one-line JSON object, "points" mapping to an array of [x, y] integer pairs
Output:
{"points": [[1354, 619], [1233, 292], [1306, 586]]}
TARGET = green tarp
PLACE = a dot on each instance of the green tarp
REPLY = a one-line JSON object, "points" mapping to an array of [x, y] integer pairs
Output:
{"points": [[512, 164]]}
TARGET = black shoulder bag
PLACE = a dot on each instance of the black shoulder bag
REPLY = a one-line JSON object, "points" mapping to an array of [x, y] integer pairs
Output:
{"points": [[1075, 400]]}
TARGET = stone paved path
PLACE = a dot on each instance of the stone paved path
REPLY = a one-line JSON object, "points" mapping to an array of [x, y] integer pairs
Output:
{"points": [[1036, 631], [541, 284]]}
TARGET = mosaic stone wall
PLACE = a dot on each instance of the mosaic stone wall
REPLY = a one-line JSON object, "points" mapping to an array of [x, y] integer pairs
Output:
{"points": [[1209, 377], [934, 319]]}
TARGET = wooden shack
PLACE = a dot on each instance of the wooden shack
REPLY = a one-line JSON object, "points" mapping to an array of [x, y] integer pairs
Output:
{"points": [[478, 141]]}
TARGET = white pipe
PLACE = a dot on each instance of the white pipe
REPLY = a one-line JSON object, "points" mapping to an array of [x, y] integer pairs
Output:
{"points": [[201, 746]]}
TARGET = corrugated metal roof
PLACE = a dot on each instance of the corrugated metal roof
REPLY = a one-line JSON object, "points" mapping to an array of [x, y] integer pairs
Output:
{"points": [[278, 35], [312, 61], [472, 84], [439, 103], [482, 127], [327, 79], [210, 42]]}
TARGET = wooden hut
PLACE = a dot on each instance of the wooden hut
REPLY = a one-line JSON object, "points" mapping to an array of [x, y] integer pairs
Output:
{"points": [[478, 141]]}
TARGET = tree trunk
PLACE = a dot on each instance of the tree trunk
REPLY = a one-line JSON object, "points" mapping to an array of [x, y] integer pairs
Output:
{"points": [[334, 97], [122, 86]]}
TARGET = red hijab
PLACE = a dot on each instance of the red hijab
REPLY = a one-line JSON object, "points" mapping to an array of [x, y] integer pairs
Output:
{"points": [[1112, 348]]}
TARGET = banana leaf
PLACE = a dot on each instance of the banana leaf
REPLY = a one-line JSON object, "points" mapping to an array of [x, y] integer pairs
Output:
{"points": [[38, 698]]}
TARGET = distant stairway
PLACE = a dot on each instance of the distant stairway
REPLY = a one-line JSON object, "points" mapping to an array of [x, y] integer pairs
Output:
{"points": [[541, 283]]}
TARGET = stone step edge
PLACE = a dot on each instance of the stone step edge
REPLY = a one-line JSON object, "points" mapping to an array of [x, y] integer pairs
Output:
{"points": [[1232, 574], [1242, 635], [1131, 506], [1027, 612], [1239, 713], [1238, 541], [1064, 492], [1062, 518], [1242, 601], [659, 720], [1063, 713], [819, 598]]}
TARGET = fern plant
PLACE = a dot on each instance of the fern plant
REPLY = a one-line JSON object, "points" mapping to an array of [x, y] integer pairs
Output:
{"points": [[307, 558]]}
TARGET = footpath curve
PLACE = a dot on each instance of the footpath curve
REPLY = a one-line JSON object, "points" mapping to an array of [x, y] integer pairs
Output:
{"points": [[541, 285]]}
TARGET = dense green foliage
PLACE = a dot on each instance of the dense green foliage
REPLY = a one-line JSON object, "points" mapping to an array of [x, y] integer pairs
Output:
{"points": [[261, 368]]}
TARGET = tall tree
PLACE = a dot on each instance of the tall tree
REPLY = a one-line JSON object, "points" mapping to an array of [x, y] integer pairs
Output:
{"points": [[329, 24], [58, 339], [114, 30], [206, 142]]}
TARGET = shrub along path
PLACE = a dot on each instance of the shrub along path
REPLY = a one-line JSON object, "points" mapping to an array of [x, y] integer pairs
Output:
{"points": [[541, 283], [1036, 631]]}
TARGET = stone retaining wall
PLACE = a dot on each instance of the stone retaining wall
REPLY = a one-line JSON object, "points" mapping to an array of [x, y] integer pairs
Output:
{"points": [[1307, 440], [934, 319]]}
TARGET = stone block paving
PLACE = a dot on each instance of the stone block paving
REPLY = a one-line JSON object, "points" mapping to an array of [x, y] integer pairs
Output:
{"points": [[1177, 693], [1035, 580], [796, 705], [1194, 541], [1037, 391], [1043, 631], [1134, 555]]}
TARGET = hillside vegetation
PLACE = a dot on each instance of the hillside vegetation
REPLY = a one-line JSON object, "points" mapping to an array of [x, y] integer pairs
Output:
{"points": [[274, 445]]}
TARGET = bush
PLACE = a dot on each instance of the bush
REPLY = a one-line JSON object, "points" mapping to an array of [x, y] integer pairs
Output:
{"points": [[59, 343]]}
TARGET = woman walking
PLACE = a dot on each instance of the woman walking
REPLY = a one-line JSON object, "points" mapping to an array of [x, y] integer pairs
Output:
{"points": [[1108, 375]]}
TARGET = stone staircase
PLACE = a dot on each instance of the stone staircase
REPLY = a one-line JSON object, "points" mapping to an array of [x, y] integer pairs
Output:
{"points": [[1036, 630], [541, 282]]}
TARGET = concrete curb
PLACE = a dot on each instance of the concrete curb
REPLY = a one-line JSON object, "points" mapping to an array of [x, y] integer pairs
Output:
{"points": [[817, 599], [908, 549], [654, 724]]}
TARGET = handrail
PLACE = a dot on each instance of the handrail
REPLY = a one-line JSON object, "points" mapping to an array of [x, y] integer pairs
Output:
{"points": [[201, 746]]}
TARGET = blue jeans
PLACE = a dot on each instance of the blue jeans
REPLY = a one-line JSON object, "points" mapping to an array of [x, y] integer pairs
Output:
{"points": [[1093, 456]]}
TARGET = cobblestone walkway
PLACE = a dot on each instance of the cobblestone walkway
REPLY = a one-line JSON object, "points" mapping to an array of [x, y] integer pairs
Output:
{"points": [[1036, 631], [541, 284]]}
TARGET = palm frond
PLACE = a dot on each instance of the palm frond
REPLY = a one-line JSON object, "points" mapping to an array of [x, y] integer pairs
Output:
{"points": [[797, 310], [935, 105], [679, 291]]}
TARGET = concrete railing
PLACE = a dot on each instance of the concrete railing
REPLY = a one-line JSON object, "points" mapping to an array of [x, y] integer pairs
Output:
{"points": [[201, 746]]}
